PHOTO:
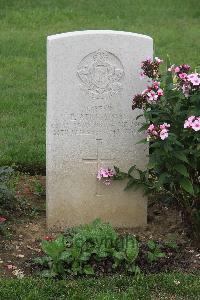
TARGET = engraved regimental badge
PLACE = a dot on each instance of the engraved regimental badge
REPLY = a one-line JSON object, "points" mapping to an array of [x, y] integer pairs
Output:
{"points": [[100, 73]]}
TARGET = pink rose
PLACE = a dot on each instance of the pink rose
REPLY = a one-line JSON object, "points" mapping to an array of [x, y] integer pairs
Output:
{"points": [[194, 78], [105, 173], [164, 134], [192, 122], [191, 119], [151, 127], [196, 125], [160, 92], [158, 60], [187, 124], [177, 69], [164, 126], [156, 84], [152, 96], [182, 76]]}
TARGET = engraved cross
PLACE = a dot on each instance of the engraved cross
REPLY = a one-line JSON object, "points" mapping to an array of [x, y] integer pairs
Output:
{"points": [[97, 159]]}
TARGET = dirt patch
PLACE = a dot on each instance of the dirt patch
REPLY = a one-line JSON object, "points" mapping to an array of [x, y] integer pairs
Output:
{"points": [[22, 242]]}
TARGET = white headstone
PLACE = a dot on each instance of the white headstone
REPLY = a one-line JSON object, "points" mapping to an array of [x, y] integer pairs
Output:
{"points": [[92, 77]]}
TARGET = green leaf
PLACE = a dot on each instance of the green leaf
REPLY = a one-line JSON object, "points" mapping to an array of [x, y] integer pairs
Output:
{"points": [[186, 184], [102, 253], [118, 255], [162, 179], [160, 255], [171, 244], [54, 248], [168, 62], [116, 169], [131, 268], [150, 256], [75, 268], [119, 175], [181, 156], [179, 144], [65, 256], [196, 189], [155, 145], [181, 169], [88, 270], [85, 256], [42, 260], [130, 183], [132, 248], [151, 244], [137, 270], [131, 169], [47, 273], [152, 163]]}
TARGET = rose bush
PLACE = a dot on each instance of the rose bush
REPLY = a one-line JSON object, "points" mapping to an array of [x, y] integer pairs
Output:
{"points": [[171, 109], [171, 113]]}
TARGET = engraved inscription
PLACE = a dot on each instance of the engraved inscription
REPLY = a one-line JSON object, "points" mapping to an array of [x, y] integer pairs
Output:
{"points": [[95, 124], [101, 73]]}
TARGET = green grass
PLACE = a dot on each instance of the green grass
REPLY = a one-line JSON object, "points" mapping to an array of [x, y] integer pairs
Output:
{"points": [[155, 287], [24, 26]]}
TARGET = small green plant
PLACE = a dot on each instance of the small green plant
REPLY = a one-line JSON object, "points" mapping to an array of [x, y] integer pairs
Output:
{"points": [[127, 250], [154, 253], [95, 240], [172, 245], [84, 247], [38, 188], [171, 242], [84, 250], [55, 250]]}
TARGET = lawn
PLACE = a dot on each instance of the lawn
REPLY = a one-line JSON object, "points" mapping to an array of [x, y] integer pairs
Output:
{"points": [[155, 287], [24, 26]]}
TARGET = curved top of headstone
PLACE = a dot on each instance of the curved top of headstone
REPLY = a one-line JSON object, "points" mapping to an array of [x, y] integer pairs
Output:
{"points": [[96, 32]]}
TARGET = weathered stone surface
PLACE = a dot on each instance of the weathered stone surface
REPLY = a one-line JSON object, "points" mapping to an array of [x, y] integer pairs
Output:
{"points": [[92, 77]]}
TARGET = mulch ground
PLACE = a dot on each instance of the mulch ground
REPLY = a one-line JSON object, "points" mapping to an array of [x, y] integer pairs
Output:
{"points": [[22, 243]]}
